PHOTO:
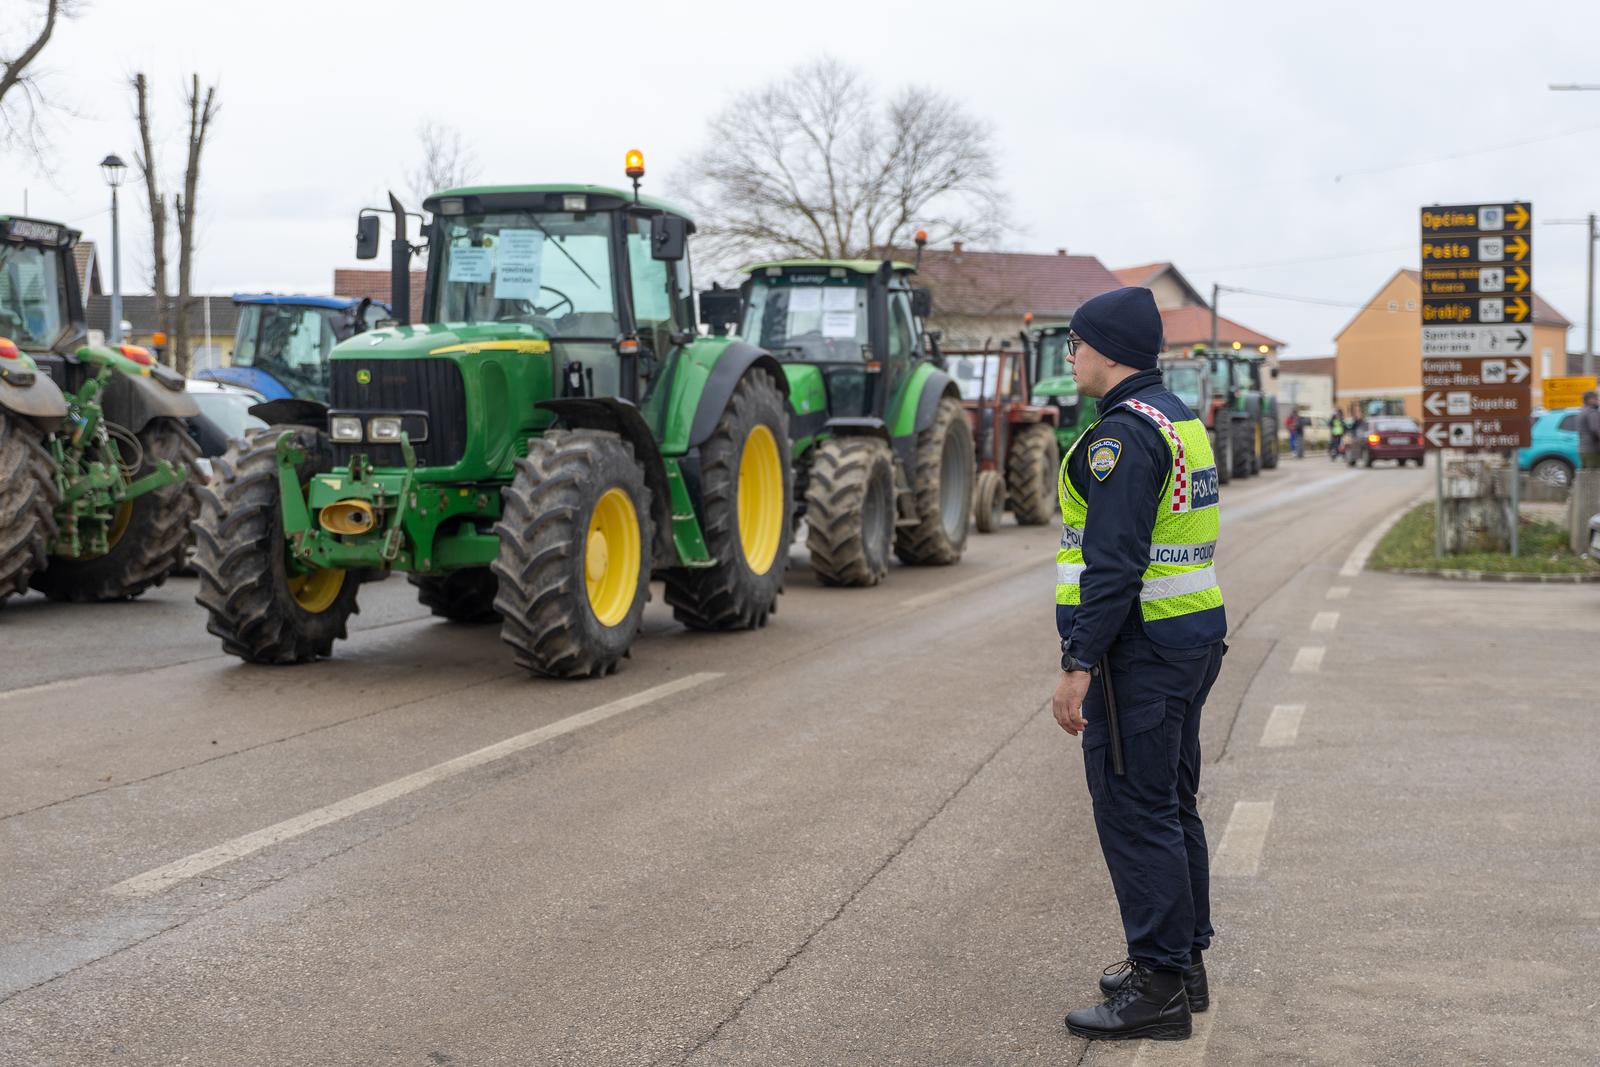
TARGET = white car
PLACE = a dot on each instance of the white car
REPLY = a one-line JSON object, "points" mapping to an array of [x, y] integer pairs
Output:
{"points": [[224, 417]]}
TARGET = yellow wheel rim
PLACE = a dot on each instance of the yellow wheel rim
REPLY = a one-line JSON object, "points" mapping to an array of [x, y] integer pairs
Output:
{"points": [[612, 557], [316, 591], [119, 524], [761, 515]]}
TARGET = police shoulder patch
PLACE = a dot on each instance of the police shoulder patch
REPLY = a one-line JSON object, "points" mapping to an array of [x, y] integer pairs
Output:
{"points": [[1103, 456]]}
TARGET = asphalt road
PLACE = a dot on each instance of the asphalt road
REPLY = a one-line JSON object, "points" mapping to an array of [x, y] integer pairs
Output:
{"points": [[855, 836]]}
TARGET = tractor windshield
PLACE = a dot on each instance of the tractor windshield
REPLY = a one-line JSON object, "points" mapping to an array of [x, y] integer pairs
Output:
{"points": [[1053, 356], [32, 298], [983, 376], [289, 342], [1184, 382], [548, 269], [808, 321]]}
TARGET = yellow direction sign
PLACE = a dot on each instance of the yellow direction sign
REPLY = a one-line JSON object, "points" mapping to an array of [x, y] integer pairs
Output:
{"points": [[1566, 392]]}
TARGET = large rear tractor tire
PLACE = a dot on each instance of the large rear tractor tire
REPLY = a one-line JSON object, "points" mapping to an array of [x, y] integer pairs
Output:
{"points": [[264, 609], [28, 499], [1031, 475], [1269, 443], [989, 502], [1244, 447], [149, 537], [850, 510], [574, 562], [942, 482], [460, 596], [748, 488], [1220, 454]]}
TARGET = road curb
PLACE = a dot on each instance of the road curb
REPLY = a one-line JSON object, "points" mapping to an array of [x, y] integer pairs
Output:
{"points": [[1493, 576]]}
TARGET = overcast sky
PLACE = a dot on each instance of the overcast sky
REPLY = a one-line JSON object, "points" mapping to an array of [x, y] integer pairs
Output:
{"points": [[1277, 146]]}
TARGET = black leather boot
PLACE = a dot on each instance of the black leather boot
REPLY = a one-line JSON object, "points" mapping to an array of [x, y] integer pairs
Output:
{"points": [[1194, 981], [1149, 1004]]}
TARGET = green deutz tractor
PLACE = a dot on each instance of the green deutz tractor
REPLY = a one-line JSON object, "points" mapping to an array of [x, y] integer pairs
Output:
{"points": [[1053, 384], [883, 454], [553, 436], [97, 469]]}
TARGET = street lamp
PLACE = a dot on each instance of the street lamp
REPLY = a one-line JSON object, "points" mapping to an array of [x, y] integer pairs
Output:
{"points": [[115, 171]]}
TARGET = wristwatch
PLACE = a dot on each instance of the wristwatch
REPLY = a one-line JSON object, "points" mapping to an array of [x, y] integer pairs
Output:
{"points": [[1069, 663]]}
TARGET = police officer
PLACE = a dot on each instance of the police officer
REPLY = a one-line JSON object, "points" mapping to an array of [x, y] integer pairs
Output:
{"points": [[1141, 622]]}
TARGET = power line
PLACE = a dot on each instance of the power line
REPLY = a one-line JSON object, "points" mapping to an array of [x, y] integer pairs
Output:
{"points": [[1467, 154], [1311, 259]]}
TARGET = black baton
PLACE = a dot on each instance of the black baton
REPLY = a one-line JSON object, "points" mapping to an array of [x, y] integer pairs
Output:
{"points": [[1113, 727]]}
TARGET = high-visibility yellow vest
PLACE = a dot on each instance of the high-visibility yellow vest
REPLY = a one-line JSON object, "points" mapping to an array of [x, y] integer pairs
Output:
{"points": [[1179, 599]]}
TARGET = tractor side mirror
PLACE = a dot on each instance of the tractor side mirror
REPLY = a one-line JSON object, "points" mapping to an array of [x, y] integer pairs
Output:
{"points": [[367, 237], [719, 309], [669, 237], [922, 303]]}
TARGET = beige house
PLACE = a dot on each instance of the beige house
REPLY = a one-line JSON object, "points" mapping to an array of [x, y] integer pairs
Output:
{"points": [[1186, 318], [1379, 352]]}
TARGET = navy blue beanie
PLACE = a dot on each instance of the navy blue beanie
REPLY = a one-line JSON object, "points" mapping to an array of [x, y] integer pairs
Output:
{"points": [[1123, 325]]}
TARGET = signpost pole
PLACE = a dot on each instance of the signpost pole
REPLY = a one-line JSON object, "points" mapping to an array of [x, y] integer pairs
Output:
{"points": [[1588, 343], [1438, 504], [1516, 502]]}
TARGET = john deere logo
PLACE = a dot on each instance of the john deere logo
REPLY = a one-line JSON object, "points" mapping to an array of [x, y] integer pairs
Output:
{"points": [[363, 377]]}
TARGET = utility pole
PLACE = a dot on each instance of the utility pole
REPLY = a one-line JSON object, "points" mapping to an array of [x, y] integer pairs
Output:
{"points": [[1216, 291], [1592, 222]]}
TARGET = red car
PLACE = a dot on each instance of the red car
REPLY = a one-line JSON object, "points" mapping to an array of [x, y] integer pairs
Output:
{"points": [[1396, 437]]}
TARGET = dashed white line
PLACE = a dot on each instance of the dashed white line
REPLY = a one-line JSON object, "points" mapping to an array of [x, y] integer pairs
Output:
{"points": [[1325, 622], [170, 874], [1239, 853], [1338, 592], [1308, 660], [46, 687], [1283, 726]]}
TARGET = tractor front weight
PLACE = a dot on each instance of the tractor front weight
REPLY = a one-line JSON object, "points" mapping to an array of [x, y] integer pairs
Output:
{"points": [[416, 527]]}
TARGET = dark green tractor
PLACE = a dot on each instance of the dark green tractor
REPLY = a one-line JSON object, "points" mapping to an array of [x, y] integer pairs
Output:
{"points": [[553, 436], [883, 454], [97, 468], [1053, 384]]}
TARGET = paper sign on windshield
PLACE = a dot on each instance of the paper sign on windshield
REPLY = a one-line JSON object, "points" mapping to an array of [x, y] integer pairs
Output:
{"points": [[517, 272], [839, 299], [472, 265], [804, 299], [839, 323]]}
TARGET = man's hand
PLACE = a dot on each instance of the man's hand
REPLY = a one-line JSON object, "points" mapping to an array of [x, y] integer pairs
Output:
{"points": [[1067, 703]]}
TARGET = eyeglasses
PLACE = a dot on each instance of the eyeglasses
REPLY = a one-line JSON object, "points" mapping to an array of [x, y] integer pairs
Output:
{"points": [[1073, 341]]}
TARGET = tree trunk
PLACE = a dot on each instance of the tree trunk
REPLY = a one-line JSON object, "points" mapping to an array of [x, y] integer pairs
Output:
{"points": [[157, 207], [200, 115]]}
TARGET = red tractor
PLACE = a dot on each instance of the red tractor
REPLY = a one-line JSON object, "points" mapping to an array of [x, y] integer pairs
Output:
{"points": [[1015, 439]]}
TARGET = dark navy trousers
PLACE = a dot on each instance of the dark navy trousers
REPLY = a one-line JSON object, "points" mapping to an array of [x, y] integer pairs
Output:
{"points": [[1148, 821]]}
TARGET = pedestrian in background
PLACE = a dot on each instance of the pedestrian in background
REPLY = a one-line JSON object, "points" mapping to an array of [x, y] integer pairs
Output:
{"points": [[1335, 436], [1141, 622], [1589, 431], [1292, 423]]}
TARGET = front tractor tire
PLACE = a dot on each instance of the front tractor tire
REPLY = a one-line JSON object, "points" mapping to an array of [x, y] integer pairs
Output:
{"points": [[28, 499], [149, 537], [748, 489], [850, 510], [942, 484], [460, 596], [263, 608], [1031, 475], [574, 562]]}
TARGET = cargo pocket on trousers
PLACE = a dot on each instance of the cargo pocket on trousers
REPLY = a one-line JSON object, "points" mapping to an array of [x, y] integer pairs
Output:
{"points": [[1144, 748]]}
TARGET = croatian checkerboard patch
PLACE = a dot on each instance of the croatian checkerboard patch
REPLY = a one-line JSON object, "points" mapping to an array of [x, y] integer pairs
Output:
{"points": [[1103, 456]]}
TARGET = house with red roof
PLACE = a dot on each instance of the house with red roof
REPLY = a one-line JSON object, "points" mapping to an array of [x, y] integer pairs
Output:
{"points": [[981, 297]]}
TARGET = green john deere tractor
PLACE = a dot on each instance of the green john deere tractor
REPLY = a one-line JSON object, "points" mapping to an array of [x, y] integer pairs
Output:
{"points": [[883, 454], [97, 469], [554, 435], [1053, 384]]}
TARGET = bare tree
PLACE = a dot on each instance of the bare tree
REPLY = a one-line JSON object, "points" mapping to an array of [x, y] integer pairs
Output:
{"points": [[446, 161], [22, 100], [145, 160], [815, 165], [175, 316]]}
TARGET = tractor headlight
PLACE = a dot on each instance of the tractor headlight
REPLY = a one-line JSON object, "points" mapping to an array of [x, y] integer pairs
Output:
{"points": [[384, 428], [345, 428]]}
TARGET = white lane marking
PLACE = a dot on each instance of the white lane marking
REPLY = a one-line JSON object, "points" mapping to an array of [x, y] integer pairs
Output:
{"points": [[1270, 503], [1178, 1053], [1308, 660], [1283, 725], [1339, 592], [168, 875], [1239, 854], [940, 595], [1356, 562], [46, 687], [1325, 622]]}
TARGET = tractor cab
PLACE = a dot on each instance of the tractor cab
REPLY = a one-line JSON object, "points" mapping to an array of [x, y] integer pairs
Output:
{"points": [[856, 321], [282, 343], [41, 311], [1052, 381]]}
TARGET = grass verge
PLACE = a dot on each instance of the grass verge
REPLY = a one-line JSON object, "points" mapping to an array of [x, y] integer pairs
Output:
{"points": [[1542, 549]]}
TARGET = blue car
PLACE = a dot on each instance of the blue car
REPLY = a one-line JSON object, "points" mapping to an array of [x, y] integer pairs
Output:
{"points": [[1553, 455]]}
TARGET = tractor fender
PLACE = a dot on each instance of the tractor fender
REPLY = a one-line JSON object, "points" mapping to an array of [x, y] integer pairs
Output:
{"points": [[131, 402], [736, 359], [32, 394], [292, 411], [623, 419], [935, 385]]}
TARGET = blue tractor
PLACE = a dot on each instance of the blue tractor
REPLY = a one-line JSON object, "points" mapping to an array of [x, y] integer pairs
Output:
{"points": [[281, 346]]}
